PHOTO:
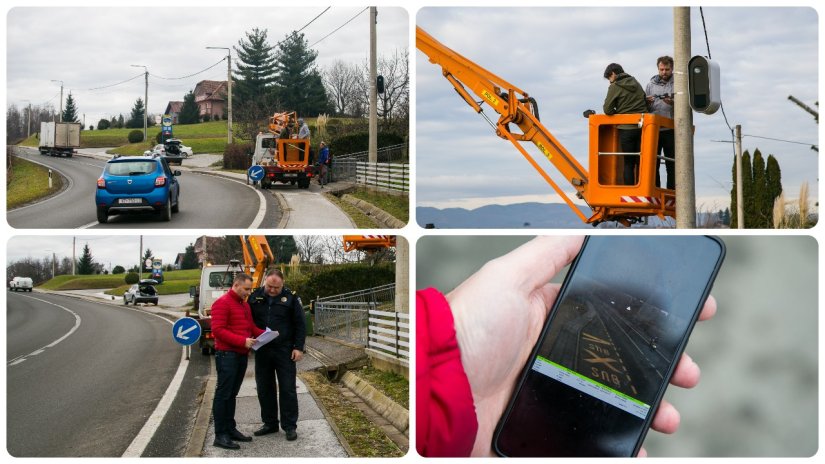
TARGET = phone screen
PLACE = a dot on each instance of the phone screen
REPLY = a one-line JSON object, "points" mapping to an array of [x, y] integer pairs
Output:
{"points": [[611, 343]]}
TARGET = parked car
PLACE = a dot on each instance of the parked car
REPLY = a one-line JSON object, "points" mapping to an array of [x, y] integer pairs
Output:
{"points": [[173, 150], [142, 292], [21, 284], [137, 184]]}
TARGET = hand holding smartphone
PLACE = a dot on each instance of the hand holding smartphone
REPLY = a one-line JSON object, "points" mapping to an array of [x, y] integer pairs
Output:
{"points": [[610, 346]]}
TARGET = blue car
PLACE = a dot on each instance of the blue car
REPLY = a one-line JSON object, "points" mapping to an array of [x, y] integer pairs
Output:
{"points": [[137, 184]]}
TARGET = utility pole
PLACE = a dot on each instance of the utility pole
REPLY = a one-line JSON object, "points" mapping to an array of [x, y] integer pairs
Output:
{"points": [[683, 122], [805, 107], [74, 255], [60, 114], [229, 91], [740, 207], [140, 260], [145, 97], [28, 119], [373, 135]]}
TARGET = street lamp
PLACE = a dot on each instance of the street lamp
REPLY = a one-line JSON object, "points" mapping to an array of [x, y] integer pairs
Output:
{"points": [[228, 90], [61, 100], [145, 97], [28, 119], [53, 261]]}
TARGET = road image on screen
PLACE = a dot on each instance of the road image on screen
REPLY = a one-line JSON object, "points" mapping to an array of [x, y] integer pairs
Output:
{"points": [[612, 341]]}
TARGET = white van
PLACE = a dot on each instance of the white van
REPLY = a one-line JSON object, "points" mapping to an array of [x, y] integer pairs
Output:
{"points": [[21, 284]]}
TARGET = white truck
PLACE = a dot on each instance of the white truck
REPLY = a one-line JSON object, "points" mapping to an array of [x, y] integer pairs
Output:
{"points": [[59, 138], [21, 284], [216, 280]]}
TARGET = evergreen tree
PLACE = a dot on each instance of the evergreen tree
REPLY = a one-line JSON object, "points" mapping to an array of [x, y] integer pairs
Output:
{"points": [[146, 255], [761, 204], [298, 82], [86, 264], [118, 270], [734, 221], [189, 112], [70, 111], [726, 219], [136, 119], [103, 124], [255, 70], [747, 191], [283, 247], [773, 180], [120, 122], [190, 260]]}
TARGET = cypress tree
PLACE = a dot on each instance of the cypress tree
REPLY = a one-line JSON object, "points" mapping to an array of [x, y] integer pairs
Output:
{"points": [[761, 204], [773, 180], [747, 191], [734, 222]]}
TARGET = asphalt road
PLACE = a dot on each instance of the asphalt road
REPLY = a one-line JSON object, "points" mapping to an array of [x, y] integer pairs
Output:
{"points": [[206, 201], [83, 377]]}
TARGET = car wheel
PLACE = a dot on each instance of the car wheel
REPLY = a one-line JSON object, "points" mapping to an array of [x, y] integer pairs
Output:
{"points": [[125, 301], [166, 211], [205, 350], [102, 215], [176, 208]]}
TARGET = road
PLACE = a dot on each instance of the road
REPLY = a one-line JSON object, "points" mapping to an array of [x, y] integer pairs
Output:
{"points": [[84, 377], [206, 202]]}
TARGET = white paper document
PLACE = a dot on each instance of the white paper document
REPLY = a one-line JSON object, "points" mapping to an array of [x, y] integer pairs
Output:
{"points": [[265, 338]]}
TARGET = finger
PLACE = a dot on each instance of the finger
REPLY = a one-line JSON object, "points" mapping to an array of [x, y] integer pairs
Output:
{"points": [[667, 418], [642, 453], [687, 373], [709, 310], [537, 261]]}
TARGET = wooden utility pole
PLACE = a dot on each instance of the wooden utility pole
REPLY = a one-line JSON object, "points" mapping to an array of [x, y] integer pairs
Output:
{"points": [[683, 122], [740, 207]]}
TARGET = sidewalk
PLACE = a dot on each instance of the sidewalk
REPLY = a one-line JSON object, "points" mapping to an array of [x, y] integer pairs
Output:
{"points": [[316, 437]]}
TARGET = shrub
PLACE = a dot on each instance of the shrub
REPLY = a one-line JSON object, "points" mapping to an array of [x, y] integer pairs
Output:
{"points": [[236, 156], [136, 136], [131, 278], [206, 117], [118, 270], [358, 142], [159, 137], [340, 279]]}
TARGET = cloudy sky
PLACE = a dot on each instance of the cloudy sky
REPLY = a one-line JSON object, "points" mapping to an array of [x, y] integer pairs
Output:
{"points": [[92, 47], [111, 251], [558, 56]]}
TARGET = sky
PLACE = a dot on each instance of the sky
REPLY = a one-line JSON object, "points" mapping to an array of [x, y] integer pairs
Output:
{"points": [[110, 251], [171, 42], [558, 56]]}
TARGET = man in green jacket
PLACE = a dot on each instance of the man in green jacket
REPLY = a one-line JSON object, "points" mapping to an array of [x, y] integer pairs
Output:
{"points": [[626, 96]]}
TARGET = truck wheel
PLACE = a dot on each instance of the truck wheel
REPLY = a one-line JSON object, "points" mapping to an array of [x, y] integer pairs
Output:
{"points": [[205, 350], [166, 211], [102, 215]]}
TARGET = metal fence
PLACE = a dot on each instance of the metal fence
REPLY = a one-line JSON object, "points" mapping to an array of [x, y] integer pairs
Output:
{"points": [[366, 317], [344, 166]]}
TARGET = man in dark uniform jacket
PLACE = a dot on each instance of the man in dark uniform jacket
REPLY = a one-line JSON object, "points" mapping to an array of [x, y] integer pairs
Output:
{"points": [[279, 309]]}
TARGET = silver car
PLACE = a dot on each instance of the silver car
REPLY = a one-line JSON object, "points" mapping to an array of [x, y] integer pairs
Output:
{"points": [[142, 292]]}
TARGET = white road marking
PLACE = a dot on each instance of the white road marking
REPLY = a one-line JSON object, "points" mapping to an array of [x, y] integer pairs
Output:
{"points": [[20, 359]]}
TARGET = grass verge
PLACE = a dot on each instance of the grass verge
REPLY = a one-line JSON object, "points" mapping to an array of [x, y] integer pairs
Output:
{"points": [[361, 220], [398, 206], [29, 182], [395, 386], [364, 437]]}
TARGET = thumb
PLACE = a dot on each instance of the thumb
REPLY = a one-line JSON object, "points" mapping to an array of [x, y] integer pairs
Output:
{"points": [[536, 262]]}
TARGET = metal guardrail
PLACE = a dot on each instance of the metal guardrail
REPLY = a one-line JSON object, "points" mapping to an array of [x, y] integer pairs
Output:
{"points": [[365, 317]]}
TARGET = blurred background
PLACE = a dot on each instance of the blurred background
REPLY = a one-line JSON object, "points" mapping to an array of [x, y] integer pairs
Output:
{"points": [[759, 356]]}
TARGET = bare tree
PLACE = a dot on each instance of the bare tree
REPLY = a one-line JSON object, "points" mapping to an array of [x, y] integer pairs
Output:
{"points": [[393, 104], [341, 82], [309, 248]]}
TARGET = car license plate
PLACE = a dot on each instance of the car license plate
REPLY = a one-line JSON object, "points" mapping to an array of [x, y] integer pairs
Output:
{"points": [[290, 175], [130, 201]]}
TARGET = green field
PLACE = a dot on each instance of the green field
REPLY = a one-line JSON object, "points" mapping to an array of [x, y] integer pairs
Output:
{"points": [[174, 282]]}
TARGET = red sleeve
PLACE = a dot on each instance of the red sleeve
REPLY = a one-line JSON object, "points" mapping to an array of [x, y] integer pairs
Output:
{"points": [[220, 324], [446, 423]]}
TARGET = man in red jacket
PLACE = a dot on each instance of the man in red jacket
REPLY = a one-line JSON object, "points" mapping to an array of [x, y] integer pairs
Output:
{"points": [[234, 334]]}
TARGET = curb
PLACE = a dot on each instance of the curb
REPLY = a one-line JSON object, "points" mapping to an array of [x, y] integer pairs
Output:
{"points": [[197, 440], [383, 217], [397, 415], [344, 443], [285, 209]]}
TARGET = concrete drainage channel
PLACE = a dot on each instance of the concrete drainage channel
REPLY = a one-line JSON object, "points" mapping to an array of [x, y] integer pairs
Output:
{"points": [[392, 418]]}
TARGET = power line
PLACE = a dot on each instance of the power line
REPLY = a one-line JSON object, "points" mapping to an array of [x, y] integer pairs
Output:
{"points": [[189, 75], [721, 105], [299, 30], [339, 27], [776, 140], [119, 83]]}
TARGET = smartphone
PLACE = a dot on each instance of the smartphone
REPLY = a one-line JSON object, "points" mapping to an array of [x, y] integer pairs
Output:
{"points": [[609, 347]]}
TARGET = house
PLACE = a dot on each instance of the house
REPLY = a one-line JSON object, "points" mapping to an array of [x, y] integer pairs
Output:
{"points": [[178, 261], [206, 248], [173, 108], [210, 97]]}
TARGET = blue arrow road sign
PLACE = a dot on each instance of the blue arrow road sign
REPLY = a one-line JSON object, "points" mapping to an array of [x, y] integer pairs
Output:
{"points": [[186, 331], [256, 173]]}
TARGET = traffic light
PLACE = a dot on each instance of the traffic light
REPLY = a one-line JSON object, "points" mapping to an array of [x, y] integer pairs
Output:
{"points": [[703, 84], [379, 84]]}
